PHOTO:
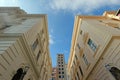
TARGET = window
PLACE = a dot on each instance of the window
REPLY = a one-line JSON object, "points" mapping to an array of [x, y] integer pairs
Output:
{"points": [[78, 46], [85, 59], [76, 57], [74, 62], [52, 74], [62, 68], [62, 76], [62, 72], [81, 32], [35, 44], [59, 76], [80, 70], [59, 72], [19, 74], [114, 71], [92, 45], [38, 55]]}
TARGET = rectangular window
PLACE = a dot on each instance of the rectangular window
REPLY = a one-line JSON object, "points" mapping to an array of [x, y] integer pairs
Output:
{"points": [[38, 55], [81, 32], [92, 45], [74, 62], [76, 57], [85, 59], [59, 76], [59, 72], [78, 46], [80, 70], [35, 44]]}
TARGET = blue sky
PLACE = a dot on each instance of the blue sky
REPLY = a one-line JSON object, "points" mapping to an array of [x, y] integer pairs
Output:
{"points": [[61, 15]]}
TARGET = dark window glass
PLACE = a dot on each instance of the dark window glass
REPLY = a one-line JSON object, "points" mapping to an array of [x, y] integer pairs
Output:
{"points": [[85, 59], [38, 55], [81, 32], [59, 76], [59, 72], [92, 45], [78, 46], [76, 57], [115, 72], [80, 70], [18, 75], [35, 44]]}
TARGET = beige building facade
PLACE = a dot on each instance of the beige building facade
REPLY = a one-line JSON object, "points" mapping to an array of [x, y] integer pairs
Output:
{"points": [[24, 41], [95, 48]]}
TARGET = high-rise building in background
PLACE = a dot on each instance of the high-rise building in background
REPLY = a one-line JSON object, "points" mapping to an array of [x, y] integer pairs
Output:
{"points": [[54, 73], [61, 67], [24, 51], [95, 48]]}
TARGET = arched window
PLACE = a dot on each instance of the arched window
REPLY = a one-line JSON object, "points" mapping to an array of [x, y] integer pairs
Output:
{"points": [[115, 72], [18, 75]]}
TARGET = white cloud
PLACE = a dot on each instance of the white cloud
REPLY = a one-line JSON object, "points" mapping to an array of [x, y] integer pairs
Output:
{"points": [[9, 2], [51, 41], [84, 5]]}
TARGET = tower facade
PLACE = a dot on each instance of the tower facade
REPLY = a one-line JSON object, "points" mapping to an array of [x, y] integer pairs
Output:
{"points": [[24, 51], [95, 48], [61, 67]]}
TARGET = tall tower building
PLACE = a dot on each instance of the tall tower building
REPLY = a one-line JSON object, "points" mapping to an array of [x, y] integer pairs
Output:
{"points": [[24, 51], [61, 67], [95, 47]]}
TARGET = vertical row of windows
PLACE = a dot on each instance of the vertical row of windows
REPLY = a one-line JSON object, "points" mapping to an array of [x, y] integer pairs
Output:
{"points": [[92, 45], [85, 59]]}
